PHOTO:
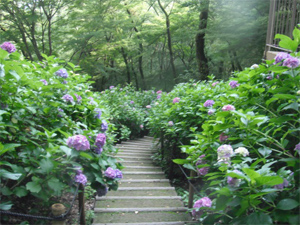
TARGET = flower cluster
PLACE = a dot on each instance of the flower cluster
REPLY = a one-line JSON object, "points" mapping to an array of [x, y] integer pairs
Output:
{"points": [[148, 106], [44, 81], [225, 152], [228, 108], [210, 111], [159, 92], [62, 73], [100, 142], [215, 83], [291, 62], [209, 103], [98, 113], [233, 84], [79, 98], [204, 170], [223, 137], [203, 202], [171, 123], [68, 98], [297, 147], [113, 174], [242, 151], [104, 126], [80, 178], [9, 47], [175, 100], [79, 142], [234, 182], [254, 66]]}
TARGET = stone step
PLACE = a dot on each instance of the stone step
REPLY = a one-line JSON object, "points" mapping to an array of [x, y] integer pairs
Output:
{"points": [[129, 169], [135, 148], [155, 175], [136, 158], [135, 151], [144, 183], [150, 223], [139, 154], [146, 191], [135, 202], [141, 217], [152, 209], [136, 163]]}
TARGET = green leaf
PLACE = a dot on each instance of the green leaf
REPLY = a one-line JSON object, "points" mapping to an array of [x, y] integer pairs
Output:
{"points": [[268, 180], [9, 175], [251, 174], [286, 42], [259, 218], [86, 155], [287, 204], [14, 73], [33, 187], [55, 184], [20, 191], [181, 161], [7, 147], [5, 205], [285, 96], [46, 165], [66, 150], [3, 112]]}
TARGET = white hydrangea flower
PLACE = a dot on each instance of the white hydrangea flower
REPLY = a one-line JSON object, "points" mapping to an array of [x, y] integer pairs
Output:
{"points": [[254, 66], [242, 151]]}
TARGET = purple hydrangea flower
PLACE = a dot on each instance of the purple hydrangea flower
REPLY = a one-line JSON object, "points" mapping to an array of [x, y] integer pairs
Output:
{"points": [[110, 173], [209, 103], [79, 98], [131, 102], [171, 123], [158, 96], [100, 140], [79, 142], [99, 113], [284, 184], [44, 81], [62, 73], [68, 98], [203, 202], [281, 56], [64, 82], [98, 150], [81, 178], [60, 110], [175, 100], [269, 77], [118, 174], [225, 151], [228, 108], [111, 87], [223, 137], [203, 171], [9, 47], [104, 126], [102, 190], [233, 84], [297, 147], [210, 111], [234, 182], [291, 62], [158, 92]]}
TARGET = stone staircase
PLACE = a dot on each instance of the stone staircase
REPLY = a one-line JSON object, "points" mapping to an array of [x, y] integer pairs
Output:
{"points": [[145, 196]]}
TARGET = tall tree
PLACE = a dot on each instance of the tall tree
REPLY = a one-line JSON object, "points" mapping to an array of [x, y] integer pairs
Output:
{"points": [[200, 41]]}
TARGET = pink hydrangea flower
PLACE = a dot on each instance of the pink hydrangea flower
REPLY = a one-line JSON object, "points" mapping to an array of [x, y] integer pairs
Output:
{"points": [[44, 81], [171, 123], [203, 202], [228, 108], [79, 142], [148, 106], [141, 126], [223, 137], [159, 92], [175, 100], [215, 83]]}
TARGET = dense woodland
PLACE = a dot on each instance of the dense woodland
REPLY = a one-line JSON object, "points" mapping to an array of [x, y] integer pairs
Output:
{"points": [[152, 43]]}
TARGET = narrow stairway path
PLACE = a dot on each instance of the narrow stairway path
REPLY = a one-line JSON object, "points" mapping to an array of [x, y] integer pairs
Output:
{"points": [[145, 196]]}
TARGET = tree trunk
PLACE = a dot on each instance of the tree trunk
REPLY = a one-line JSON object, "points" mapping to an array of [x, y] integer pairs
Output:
{"points": [[200, 42], [126, 63], [169, 40]]}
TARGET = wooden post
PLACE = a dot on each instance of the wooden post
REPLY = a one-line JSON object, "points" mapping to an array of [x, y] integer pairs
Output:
{"points": [[162, 147], [81, 204], [191, 191], [57, 210]]}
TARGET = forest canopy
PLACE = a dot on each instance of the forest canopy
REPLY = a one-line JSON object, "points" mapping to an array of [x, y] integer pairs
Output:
{"points": [[153, 43]]}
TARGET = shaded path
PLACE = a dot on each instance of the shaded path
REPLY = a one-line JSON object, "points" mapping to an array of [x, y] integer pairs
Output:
{"points": [[144, 196]]}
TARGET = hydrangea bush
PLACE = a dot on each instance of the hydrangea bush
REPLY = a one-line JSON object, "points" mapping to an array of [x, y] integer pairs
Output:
{"points": [[49, 129], [252, 175]]}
